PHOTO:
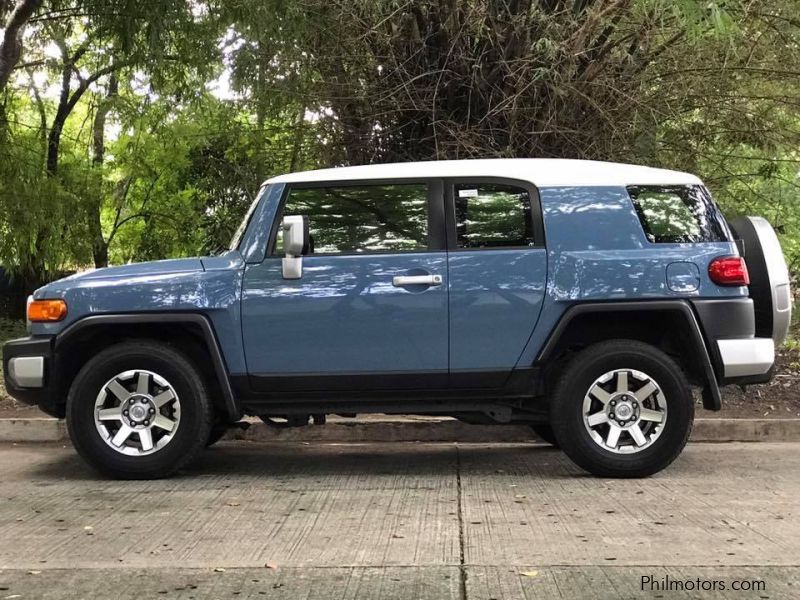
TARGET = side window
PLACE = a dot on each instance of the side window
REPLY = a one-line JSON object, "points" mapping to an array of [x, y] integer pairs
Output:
{"points": [[492, 215], [361, 218], [678, 214]]}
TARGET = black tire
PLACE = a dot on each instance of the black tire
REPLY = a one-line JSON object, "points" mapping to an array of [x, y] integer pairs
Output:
{"points": [[545, 433], [566, 409], [196, 416], [216, 433]]}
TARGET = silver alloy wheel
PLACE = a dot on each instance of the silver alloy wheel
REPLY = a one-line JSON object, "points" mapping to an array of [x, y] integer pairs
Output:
{"points": [[624, 411], [137, 412]]}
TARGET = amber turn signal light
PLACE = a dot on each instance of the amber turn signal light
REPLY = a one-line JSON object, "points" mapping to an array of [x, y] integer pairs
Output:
{"points": [[47, 310]]}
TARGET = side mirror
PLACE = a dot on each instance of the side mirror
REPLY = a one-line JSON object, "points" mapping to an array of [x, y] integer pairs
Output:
{"points": [[295, 244]]}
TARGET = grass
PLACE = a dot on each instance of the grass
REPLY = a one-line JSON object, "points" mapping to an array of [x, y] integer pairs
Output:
{"points": [[792, 341]]}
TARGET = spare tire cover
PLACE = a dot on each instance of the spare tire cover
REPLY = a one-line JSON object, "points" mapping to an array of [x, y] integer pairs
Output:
{"points": [[769, 276]]}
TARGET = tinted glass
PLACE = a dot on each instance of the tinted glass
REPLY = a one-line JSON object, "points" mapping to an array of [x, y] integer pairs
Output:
{"points": [[678, 214], [492, 216], [237, 235], [368, 218]]}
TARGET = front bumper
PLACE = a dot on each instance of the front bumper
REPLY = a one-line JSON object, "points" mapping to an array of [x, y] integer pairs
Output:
{"points": [[29, 369]]}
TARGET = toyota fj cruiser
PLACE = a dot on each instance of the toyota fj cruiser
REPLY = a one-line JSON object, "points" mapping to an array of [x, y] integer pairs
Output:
{"points": [[585, 299]]}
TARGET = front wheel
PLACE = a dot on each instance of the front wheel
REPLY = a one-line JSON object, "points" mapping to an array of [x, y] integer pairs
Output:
{"points": [[622, 409], [139, 410], [217, 432], [545, 433]]}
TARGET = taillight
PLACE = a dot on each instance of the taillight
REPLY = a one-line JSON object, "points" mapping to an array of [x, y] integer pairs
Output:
{"points": [[729, 270], [41, 311]]}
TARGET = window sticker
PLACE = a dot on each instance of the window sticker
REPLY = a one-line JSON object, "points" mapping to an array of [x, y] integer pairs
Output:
{"points": [[468, 193]]}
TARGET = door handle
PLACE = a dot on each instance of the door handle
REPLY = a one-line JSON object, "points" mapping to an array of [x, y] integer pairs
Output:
{"points": [[404, 280]]}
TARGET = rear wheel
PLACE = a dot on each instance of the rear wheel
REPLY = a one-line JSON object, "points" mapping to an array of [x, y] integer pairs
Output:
{"points": [[622, 409], [139, 410]]}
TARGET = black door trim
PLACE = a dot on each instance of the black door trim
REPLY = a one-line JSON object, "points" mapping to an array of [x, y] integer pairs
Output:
{"points": [[421, 385], [347, 382]]}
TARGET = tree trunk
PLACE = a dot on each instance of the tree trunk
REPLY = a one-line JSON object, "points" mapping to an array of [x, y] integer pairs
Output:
{"points": [[99, 246], [297, 144], [67, 102], [11, 46], [94, 210], [54, 137], [260, 118]]}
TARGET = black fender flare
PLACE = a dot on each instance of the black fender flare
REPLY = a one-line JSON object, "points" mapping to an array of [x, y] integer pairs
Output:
{"points": [[231, 404], [711, 394]]}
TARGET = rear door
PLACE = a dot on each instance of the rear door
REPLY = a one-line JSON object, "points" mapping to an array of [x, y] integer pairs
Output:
{"points": [[498, 270], [354, 320]]}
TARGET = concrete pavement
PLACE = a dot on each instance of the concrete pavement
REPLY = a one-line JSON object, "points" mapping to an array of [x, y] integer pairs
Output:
{"points": [[412, 521]]}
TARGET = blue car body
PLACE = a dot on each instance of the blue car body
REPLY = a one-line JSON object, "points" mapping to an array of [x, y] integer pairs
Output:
{"points": [[343, 315], [343, 320]]}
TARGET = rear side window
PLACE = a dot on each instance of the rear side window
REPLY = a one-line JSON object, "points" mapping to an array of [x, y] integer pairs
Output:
{"points": [[361, 218], [678, 214], [492, 215]]}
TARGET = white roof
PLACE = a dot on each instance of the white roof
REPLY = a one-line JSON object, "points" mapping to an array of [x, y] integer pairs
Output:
{"points": [[542, 172]]}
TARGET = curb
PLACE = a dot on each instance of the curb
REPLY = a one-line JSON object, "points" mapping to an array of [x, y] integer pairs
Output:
{"points": [[36, 429], [746, 430], [432, 430]]}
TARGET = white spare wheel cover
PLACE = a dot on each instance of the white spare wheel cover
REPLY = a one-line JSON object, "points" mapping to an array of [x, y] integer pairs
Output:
{"points": [[769, 276]]}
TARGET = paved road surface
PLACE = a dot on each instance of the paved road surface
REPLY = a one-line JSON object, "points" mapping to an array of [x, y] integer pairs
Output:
{"points": [[406, 521]]}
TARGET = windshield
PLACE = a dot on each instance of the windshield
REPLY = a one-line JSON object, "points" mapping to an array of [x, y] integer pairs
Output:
{"points": [[237, 236]]}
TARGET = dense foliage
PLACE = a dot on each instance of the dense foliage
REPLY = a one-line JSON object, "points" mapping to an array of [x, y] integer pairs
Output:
{"points": [[133, 130]]}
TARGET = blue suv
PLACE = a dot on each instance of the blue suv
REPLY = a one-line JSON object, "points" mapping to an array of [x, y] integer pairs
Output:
{"points": [[585, 299]]}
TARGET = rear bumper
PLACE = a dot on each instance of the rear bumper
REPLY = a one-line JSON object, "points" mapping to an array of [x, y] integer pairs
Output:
{"points": [[29, 372], [729, 329], [746, 357]]}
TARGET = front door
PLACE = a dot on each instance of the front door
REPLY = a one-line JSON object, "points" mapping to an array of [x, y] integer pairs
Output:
{"points": [[370, 309]]}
